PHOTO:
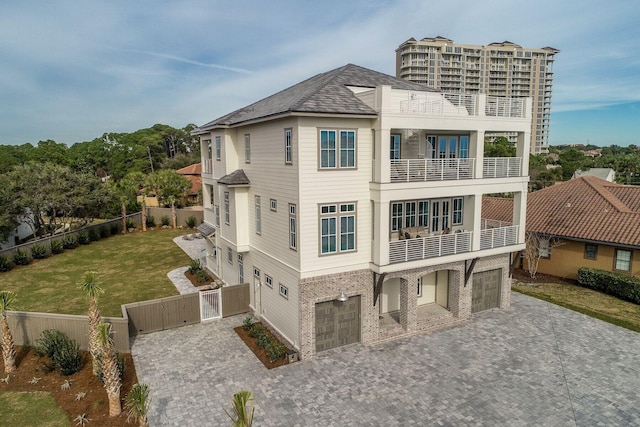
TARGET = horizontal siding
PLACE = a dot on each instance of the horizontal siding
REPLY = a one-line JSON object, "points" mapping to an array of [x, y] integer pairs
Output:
{"points": [[332, 186]]}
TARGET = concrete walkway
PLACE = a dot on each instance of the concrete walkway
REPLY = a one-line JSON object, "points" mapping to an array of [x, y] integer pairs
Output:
{"points": [[532, 364]]}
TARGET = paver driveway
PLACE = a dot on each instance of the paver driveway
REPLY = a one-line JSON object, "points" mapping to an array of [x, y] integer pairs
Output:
{"points": [[532, 364]]}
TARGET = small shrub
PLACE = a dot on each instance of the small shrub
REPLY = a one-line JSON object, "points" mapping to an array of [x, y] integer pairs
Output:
{"points": [[248, 323], [70, 242], [164, 220], [150, 221], [202, 276], [191, 222], [130, 224], [94, 235], [195, 266], [275, 350], [63, 352], [39, 251], [57, 247], [256, 330], [104, 232], [114, 228], [21, 257], [83, 239], [264, 340], [5, 264]]}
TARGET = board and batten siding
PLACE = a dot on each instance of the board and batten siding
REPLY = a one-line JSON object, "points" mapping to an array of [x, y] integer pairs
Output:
{"points": [[333, 186]]}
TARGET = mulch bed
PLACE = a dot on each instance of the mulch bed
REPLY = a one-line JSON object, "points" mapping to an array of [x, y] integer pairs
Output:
{"points": [[260, 353], [523, 276], [95, 404], [195, 283]]}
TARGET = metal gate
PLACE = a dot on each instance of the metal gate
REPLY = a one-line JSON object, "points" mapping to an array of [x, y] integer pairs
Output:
{"points": [[487, 287], [210, 305], [337, 323]]}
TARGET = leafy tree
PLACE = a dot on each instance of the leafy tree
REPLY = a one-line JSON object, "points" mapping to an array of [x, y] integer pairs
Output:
{"points": [[499, 147], [7, 299], [170, 187]]}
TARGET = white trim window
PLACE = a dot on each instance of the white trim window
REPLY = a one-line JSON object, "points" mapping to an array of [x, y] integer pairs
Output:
{"points": [[268, 280], [240, 268], [258, 216], [216, 210], [293, 230], [623, 260], [288, 154], [273, 205], [218, 148], [334, 156], [230, 256], [247, 148], [284, 291], [457, 211], [226, 208], [337, 228]]}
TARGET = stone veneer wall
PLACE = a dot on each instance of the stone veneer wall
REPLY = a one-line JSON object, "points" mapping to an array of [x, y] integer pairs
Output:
{"points": [[326, 288]]}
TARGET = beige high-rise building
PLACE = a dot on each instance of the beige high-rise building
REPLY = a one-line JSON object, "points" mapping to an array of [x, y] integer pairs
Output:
{"points": [[499, 69]]}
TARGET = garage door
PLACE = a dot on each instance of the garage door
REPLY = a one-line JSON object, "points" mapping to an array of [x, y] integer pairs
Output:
{"points": [[487, 287], [337, 323]]}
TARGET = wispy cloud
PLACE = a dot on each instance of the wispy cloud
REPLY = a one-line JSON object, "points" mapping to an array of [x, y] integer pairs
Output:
{"points": [[189, 61]]}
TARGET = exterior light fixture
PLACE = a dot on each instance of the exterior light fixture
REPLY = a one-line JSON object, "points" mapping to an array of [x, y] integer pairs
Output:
{"points": [[343, 297]]}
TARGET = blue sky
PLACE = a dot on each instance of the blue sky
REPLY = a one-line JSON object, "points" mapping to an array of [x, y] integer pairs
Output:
{"points": [[71, 70]]}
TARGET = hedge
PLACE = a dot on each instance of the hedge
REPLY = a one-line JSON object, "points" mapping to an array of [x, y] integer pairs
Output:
{"points": [[624, 286]]}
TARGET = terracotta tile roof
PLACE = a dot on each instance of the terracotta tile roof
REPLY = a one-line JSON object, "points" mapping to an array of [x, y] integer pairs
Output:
{"points": [[194, 169], [498, 208], [585, 208], [324, 93]]}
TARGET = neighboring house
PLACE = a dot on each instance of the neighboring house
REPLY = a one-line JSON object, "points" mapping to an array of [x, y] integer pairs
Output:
{"points": [[595, 223], [21, 232], [607, 174], [352, 204], [194, 174]]}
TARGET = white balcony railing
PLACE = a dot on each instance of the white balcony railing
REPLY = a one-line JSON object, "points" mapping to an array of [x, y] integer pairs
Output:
{"points": [[505, 107], [207, 166], [450, 105], [416, 170], [429, 247], [501, 167], [498, 237]]}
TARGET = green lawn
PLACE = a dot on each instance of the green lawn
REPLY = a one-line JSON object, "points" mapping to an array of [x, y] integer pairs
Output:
{"points": [[130, 267], [592, 303], [22, 409]]}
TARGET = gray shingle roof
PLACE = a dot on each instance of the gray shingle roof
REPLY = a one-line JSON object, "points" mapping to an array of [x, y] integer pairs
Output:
{"points": [[236, 177], [324, 93]]}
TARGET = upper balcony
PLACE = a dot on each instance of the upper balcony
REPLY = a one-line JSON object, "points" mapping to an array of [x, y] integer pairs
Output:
{"points": [[463, 105], [418, 170]]}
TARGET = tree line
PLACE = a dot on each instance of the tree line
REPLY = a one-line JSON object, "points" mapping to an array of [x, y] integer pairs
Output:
{"points": [[53, 187]]}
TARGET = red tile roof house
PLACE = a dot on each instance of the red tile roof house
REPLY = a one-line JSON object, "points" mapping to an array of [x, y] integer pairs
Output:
{"points": [[595, 222], [194, 174]]}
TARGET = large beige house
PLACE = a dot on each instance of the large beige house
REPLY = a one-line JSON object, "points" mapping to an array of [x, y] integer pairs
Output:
{"points": [[352, 204], [502, 69]]}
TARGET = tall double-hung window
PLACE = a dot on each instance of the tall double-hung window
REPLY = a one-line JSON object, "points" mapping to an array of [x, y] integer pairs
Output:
{"points": [[337, 228], [288, 154], [337, 149]]}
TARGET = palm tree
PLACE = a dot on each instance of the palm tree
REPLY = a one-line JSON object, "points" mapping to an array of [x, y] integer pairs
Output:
{"points": [[92, 290], [137, 404], [170, 187], [110, 372], [125, 189], [7, 299], [242, 408]]}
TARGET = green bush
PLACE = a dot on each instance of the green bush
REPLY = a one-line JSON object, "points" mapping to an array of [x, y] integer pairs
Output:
{"points": [[63, 352], [195, 266], [114, 228], [57, 247], [130, 224], [70, 242], [39, 251], [94, 235], [83, 239], [621, 285], [248, 323], [191, 222], [256, 330], [104, 232], [202, 276], [21, 257], [165, 220], [5, 264], [264, 340], [150, 221], [275, 350]]}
